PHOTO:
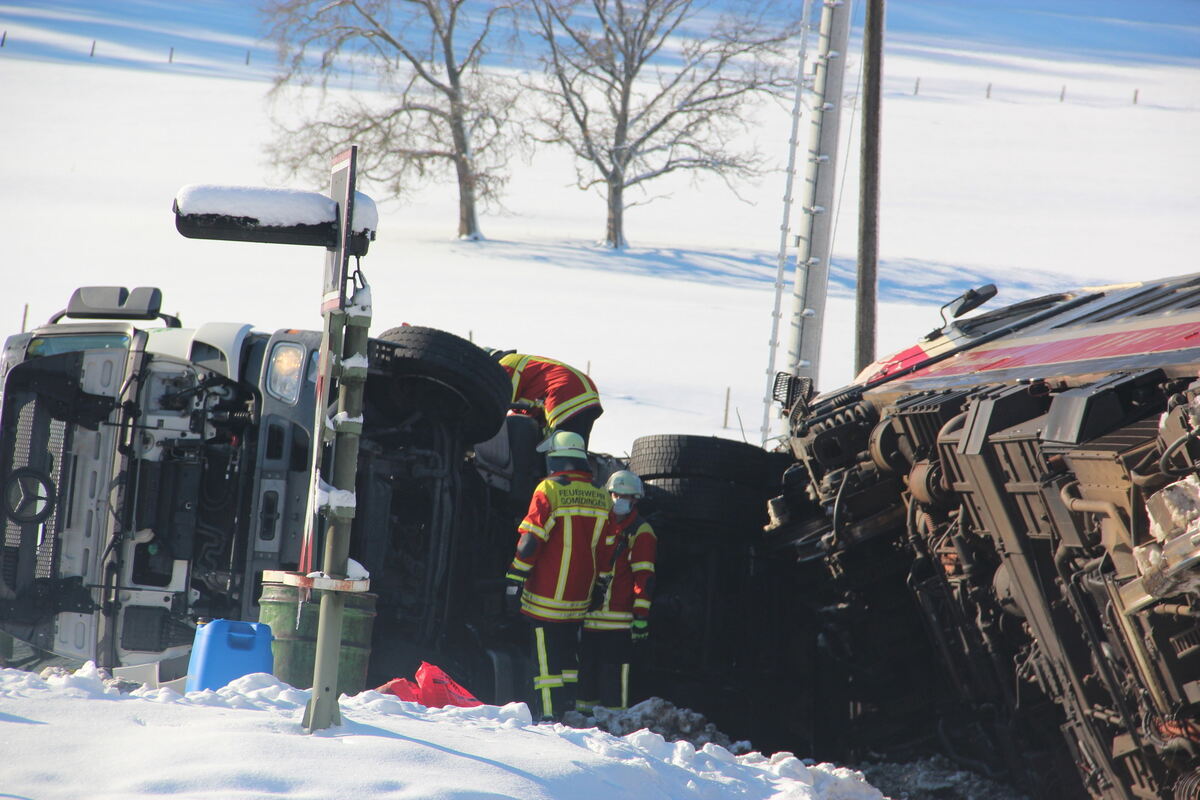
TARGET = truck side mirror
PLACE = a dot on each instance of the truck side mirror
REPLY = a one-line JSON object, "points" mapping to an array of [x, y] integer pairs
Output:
{"points": [[969, 300]]}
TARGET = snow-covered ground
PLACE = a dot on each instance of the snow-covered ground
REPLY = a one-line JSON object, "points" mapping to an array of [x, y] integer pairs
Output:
{"points": [[1022, 189], [74, 736]]}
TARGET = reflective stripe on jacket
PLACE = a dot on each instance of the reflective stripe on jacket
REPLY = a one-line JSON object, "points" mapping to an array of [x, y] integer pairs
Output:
{"points": [[629, 590], [566, 515], [561, 391]]}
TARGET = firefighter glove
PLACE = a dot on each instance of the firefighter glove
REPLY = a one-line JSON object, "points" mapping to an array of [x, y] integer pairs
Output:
{"points": [[639, 631], [599, 590], [513, 586]]}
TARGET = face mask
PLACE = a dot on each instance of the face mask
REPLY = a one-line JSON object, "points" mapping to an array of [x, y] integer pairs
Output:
{"points": [[622, 505]]}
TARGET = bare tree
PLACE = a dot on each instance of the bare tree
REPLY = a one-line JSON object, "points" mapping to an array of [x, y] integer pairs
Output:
{"points": [[639, 89], [436, 109]]}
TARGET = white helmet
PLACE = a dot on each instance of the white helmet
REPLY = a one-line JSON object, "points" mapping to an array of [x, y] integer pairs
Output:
{"points": [[624, 482], [563, 444]]}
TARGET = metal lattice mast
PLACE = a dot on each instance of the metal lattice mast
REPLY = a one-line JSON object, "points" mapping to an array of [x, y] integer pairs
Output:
{"points": [[815, 240], [785, 226]]}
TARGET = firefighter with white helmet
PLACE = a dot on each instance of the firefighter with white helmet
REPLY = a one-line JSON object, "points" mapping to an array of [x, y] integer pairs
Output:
{"points": [[551, 575], [619, 614]]}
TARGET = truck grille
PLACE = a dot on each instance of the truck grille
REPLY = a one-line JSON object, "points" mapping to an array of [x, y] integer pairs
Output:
{"points": [[41, 443]]}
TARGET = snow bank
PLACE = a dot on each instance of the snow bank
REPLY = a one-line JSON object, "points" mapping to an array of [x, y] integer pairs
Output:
{"points": [[246, 740]]}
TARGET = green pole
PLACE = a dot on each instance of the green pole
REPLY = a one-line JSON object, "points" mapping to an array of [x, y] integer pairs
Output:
{"points": [[346, 324], [323, 707]]}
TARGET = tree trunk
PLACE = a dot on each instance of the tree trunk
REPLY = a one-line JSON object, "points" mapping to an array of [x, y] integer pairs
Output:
{"points": [[615, 235], [468, 221]]}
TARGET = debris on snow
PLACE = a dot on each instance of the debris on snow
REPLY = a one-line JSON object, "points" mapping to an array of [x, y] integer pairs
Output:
{"points": [[661, 717], [934, 778]]}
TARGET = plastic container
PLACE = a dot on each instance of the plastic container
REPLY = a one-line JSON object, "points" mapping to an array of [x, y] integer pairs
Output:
{"points": [[225, 650]]}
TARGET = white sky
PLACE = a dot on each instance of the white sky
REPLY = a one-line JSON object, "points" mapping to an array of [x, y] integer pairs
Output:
{"points": [[1019, 188]]}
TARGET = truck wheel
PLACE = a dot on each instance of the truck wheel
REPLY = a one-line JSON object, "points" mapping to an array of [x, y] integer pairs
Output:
{"points": [[683, 456], [707, 502], [444, 375]]}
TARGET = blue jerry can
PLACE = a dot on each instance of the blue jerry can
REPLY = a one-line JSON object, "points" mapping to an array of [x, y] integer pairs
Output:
{"points": [[227, 649]]}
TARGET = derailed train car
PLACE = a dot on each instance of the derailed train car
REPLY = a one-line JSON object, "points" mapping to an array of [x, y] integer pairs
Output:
{"points": [[996, 536]]}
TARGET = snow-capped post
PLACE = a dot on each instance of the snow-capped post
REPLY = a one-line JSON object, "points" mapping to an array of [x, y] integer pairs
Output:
{"points": [[346, 307], [343, 223]]}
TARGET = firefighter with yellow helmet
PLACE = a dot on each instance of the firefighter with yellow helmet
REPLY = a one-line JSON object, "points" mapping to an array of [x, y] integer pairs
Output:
{"points": [[551, 575]]}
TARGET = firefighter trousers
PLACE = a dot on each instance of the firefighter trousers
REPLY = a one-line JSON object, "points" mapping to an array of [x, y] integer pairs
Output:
{"points": [[604, 659], [555, 666]]}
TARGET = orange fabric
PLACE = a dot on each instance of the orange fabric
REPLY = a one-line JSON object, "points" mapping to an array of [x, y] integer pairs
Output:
{"points": [[559, 391], [566, 516]]}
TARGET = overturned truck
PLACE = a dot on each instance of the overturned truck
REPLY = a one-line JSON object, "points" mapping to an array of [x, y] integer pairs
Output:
{"points": [[988, 545], [994, 543], [152, 472]]}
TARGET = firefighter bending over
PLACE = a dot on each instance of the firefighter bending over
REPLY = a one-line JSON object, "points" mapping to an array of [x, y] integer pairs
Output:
{"points": [[619, 615], [551, 576], [560, 397]]}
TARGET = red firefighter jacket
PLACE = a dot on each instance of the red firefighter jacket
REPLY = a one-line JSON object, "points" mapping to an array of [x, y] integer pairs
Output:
{"points": [[558, 391], [629, 589], [566, 516]]}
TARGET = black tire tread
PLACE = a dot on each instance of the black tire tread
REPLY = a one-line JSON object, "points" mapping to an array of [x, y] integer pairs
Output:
{"points": [[689, 456], [442, 357], [707, 501]]}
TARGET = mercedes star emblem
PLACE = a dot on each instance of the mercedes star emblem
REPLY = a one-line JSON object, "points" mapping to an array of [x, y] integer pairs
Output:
{"points": [[28, 495]]}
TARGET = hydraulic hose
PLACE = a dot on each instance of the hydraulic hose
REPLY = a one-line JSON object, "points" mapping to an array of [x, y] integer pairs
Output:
{"points": [[1164, 465]]}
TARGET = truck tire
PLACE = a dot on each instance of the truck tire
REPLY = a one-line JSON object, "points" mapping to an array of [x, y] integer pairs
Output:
{"points": [[710, 503], [443, 374], [684, 456]]}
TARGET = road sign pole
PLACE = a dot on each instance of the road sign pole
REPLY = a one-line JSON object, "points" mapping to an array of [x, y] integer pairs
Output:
{"points": [[344, 359]]}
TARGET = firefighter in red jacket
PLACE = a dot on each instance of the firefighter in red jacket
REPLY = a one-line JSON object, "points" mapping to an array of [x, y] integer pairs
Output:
{"points": [[560, 397], [552, 573], [619, 615]]}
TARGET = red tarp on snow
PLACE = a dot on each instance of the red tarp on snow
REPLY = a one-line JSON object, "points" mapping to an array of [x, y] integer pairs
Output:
{"points": [[433, 689]]}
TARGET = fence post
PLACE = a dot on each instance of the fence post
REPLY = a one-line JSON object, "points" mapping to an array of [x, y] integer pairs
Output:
{"points": [[1135, 94], [93, 53], [171, 56], [917, 87], [3, 37], [1063, 94], [989, 92], [247, 58]]}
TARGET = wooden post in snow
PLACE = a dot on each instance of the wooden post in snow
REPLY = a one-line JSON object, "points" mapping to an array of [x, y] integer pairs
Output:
{"points": [[868, 213]]}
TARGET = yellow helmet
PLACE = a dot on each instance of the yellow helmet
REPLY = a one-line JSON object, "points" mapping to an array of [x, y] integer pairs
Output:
{"points": [[563, 444]]}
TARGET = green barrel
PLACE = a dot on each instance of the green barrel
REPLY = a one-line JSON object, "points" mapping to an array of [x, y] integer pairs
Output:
{"points": [[6, 649], [295, 645]]}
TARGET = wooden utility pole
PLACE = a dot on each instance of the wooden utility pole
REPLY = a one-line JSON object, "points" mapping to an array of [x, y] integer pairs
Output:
{"points": [[868, 209]]}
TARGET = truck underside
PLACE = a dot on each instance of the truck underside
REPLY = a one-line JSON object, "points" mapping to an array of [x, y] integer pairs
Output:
{"points": [[1000, 544]]}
